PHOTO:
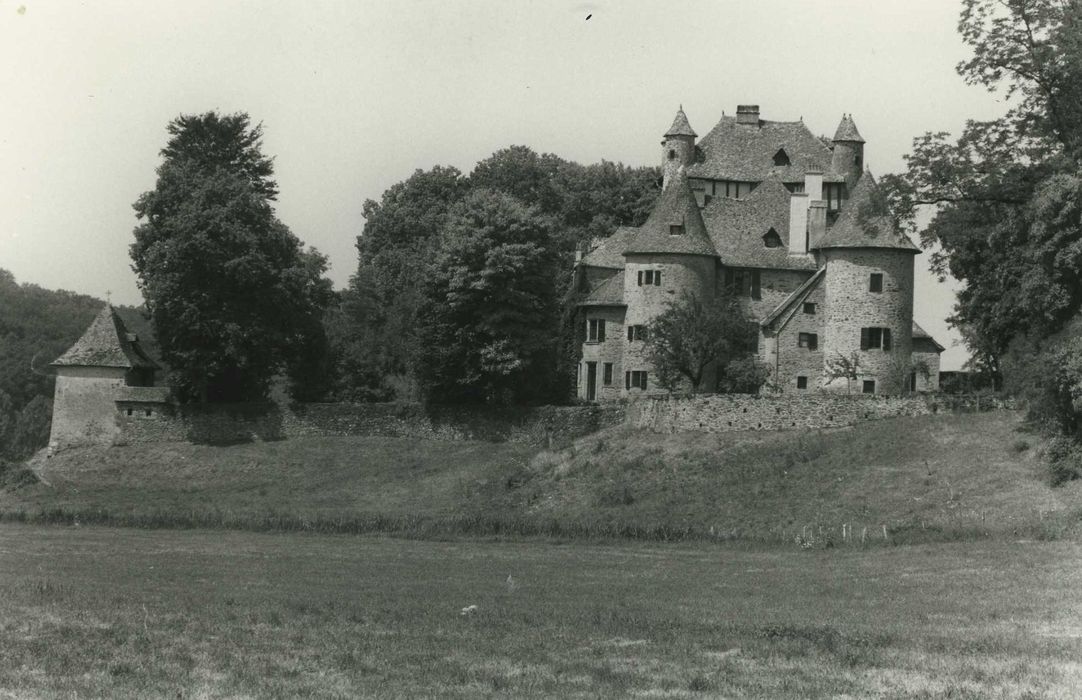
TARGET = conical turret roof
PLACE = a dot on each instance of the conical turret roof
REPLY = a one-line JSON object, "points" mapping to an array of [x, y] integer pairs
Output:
{"points": [[106, 343], [680, 125], [865, 222], [847, 130], [675, 207]]}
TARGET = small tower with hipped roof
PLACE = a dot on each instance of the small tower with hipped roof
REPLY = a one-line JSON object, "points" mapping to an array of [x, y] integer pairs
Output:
{"points": [[92, 376], [848, 156], [677, 147]]}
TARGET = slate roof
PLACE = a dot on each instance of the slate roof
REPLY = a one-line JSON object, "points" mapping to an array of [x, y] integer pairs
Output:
{"points": [[746, 153], [680, 125], [609, 252], [864, 222], [675, 206], [737, 227], [790, 301], [608, 293], [847, 130], [921, 334], [106, 343]]}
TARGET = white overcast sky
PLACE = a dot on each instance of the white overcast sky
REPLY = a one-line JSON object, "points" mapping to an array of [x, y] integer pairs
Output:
{"points": [[355, 95]]}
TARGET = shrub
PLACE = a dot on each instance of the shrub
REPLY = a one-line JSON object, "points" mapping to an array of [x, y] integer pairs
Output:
{"points": [[1063, 461]]}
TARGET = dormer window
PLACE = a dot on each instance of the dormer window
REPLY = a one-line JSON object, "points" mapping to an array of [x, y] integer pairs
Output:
{"points": [[781, 158], [676, 229], [771, 239]]}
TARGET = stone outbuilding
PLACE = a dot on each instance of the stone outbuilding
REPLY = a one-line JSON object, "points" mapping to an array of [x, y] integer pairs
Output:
{"points": [[104, 376], [791, 224]]}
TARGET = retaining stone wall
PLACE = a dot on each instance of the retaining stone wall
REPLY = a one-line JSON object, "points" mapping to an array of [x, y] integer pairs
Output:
{"points": [[735, 412]]}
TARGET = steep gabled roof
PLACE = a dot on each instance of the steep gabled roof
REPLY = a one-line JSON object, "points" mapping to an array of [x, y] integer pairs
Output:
{"points": [[746, 153], [609, 252], [676, 206], [106, 343], [865, 222], [680, 125], [737, 227], [778, 317], [608, 293], [921, 334], [847, 130]]}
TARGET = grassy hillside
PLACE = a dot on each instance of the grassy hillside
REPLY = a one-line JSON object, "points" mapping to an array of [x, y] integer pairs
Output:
{"points": [[933, 477]]}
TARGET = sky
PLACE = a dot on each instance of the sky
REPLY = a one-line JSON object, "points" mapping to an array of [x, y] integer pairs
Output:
{"points": [[356, 95]]}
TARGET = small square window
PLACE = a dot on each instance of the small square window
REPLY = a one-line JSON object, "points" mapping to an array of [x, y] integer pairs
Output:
{"points": [[869, 386], [808, 340], [875, 284], [676, 230], [129, 411], [707, 198], [149, 413], [636, 333], [809, 307], [801, 382]]}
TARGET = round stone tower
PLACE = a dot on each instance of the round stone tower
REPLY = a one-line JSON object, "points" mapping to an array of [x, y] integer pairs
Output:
{"points": [[677, 147], [667, 257], [848, 157], [868, 296]]}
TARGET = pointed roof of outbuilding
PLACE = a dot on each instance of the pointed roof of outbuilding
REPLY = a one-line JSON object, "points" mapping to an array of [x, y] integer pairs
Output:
{"points": [[921, 334], [675, 207], [609, 252], [680, 125], [847, 130], [608, 293], [106, 343], [865, 222]]}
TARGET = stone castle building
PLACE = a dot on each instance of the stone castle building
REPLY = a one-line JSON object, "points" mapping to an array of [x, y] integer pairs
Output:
{"points": [[102, 379], [792, 224]]}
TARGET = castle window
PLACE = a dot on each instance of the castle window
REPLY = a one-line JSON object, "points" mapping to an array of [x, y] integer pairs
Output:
{"points": [[149, 413], [635, 380], [801, 382], [809, 307], [875, 339], [606, 377], [771, 239], [743, 283], [707, 198], [875, 284], [781, 158], [129, 411], [636, 333], [649, 277], [834, 193], [676, 229], [808, 340], [595, 330], [672, 154], [869, 386]]}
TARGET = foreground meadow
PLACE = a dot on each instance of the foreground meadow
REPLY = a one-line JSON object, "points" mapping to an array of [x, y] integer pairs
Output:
{"points": [[134, 613]]}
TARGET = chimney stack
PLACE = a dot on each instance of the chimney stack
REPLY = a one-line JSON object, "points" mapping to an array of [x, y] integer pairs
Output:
{"points": [[798, 223], [813, 184], [817, 222], [747, 114]]}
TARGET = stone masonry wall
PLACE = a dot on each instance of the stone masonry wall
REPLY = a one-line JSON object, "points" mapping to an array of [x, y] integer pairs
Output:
{"points": [[850, 306], [83, 408], [610, 351], [233, 423], [790, 360], [740, 412]]}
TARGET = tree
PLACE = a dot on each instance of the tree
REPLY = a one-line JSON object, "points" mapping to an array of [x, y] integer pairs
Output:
{"points": [[232, 294], [694, 338], [1007, 194], [487, 321], [847, 367]]}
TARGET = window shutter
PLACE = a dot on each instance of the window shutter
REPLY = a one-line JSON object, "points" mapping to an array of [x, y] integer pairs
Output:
{"points": [[813, 341], [627, 380], [864, 339], [629, 333], [640, 278], [657, 278], [729, 276], [601, 331], [755, 291], [886, 339], [644, 381]]}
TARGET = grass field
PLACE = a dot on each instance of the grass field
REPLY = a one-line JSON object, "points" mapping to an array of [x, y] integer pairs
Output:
{"points": [[100, 612], [933, 478]]}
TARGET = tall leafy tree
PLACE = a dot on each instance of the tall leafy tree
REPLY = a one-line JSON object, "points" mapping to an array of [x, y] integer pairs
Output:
{"points": [[487, 324], [231, 292], [694, 338]]}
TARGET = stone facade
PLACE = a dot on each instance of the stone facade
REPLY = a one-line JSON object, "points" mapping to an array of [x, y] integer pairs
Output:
{"points": [[925, 371], [84, 406], [851, 306], [783, 220]]}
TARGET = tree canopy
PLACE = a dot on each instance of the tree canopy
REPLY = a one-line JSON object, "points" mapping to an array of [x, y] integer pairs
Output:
{"points": [[232, 294]]}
